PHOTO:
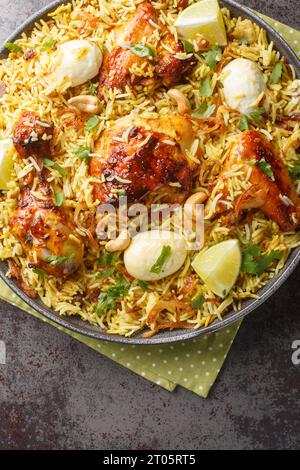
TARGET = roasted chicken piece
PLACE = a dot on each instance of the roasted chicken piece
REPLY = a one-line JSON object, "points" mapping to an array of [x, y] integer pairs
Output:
{"points": [[270, 187], [45, 231], [32, 137], [140, 156], [117, 69]]}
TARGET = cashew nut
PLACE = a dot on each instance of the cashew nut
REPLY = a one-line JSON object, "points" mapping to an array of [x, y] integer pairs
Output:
{"points": [[120, 243], [86, 103], [192, 201], [183, 103]]}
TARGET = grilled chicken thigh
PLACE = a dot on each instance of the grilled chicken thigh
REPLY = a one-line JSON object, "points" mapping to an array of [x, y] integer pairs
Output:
{"points": [[44, 230], [117, 69], [138, 156], [271, 188]]}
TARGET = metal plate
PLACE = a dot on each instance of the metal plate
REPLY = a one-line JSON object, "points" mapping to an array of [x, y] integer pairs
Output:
{"points": [[79, 326]]}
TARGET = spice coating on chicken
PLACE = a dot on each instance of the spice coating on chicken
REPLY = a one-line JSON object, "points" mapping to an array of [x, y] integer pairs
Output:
{"points": [[139, 157], [44, 230], [116, 71], [272, 190]]}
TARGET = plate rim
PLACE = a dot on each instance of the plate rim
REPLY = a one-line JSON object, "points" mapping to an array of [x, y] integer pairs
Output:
{"points": [[176, 335]]}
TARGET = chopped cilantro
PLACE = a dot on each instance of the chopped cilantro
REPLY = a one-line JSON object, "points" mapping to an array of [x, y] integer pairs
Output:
{"points": [[276, 73], [205, 87], [55, 260], [83, 153], [108, 259], [48, 44], [141, 51], [142, 284], [51, 164], [204, 111], [108, 300], [255, 262], [40, 272], [106, 273], [197, 301], [244, 123], [12, 47], [213, 56], [266, 168], [161, 260], [59, 198], [257, 114], [188, 46], [92, 123]]}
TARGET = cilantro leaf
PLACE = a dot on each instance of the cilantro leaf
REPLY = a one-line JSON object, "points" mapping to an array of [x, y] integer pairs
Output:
{"points": [[161, 260], [188, 46], [276, 73], [244, 123], [40, 272], [257, 114], [83, 153], [12, 47], [108, 258], [266, 168], [204, 111], [92, 123], [55, 260], [142, 284], [59, 198], [213, 56], [197, 301], [48, 44], [106, 273], [141, 51], [255, 262], [205, 87], [295, 170], [108, 300], [51, 164]]}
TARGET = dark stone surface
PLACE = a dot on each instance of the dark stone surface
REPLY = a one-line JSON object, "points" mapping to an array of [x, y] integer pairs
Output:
{"points": [[58, 394]]}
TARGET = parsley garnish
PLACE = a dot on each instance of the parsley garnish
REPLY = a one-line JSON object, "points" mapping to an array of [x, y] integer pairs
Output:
{"points": [[188, 46], [51, 164], [266, 168], [83, 153], [255, 262], [205, 87], [108, 300], [141, 51], [48, 44], [213, 56], [40, 272], [159, 264], [92, 123], [257, 114], [12, 47], [197, 301], [55, 260], [204, 111], [276, 73], [59, 198], [244, 123]]}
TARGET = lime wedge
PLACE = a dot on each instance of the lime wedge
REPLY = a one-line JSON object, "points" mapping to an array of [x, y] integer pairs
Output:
{"points": [[219, 266], [6, 162], [205, 18]]}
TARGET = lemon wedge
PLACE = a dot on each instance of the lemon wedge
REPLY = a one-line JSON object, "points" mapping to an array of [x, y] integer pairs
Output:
{"points": [[205, 18], [219, 266], [6, 162]]}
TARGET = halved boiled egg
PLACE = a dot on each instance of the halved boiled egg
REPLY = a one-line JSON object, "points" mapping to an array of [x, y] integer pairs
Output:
{"points": [[77, 62], [244, 86]]}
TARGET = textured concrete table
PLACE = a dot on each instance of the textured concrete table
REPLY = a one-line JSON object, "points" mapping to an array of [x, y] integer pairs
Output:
{"points": [[56, 393]]}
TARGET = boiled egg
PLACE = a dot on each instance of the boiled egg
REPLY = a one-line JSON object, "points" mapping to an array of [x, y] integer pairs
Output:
{"points": [[155, 254], [77, 62], [244, 86], [6, 162]]}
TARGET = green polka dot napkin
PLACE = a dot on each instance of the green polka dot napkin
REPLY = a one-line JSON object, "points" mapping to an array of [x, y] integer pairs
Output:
{"points": [[193, 364]]}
